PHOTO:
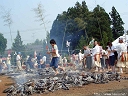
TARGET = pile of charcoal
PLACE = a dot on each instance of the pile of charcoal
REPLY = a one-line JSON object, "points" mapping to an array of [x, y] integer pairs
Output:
{"points": [[66, 81]]}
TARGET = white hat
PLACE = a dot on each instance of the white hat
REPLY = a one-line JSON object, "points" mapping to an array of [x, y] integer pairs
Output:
{"points": [[9, 55], [121, 38]]}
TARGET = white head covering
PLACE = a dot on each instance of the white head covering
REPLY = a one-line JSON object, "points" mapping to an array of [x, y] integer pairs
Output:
{"points": [[121, 38], [9, 55]]}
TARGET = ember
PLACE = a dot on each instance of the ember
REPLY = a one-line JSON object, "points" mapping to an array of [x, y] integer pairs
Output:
{"points": [[42, 81]]}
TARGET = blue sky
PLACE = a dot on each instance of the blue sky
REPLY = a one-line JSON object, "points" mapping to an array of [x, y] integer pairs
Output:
{"points": [[24, 19]]}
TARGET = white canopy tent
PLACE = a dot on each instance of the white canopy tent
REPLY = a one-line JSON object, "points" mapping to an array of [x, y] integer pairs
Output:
{"points": [[125, 39]]}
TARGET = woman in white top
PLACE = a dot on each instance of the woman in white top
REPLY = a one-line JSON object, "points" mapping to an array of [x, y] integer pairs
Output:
{"points": [[111, 51]]}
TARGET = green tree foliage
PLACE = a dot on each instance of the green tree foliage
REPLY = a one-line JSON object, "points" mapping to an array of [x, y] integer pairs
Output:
{"points": [[78, 21], [81, 43], [117, 23], [38, 42], [39, 46], [106, 39], [3, 43], [70, 26], [18, 44], [99, 25]]}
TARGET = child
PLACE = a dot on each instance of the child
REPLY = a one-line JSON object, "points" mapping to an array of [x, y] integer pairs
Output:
{"points": [[55, 56]]}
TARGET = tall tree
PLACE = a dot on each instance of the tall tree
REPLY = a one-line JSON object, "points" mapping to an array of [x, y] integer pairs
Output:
{"points": [[59, 29], [98, 25], [6, 15], [38, 42], [18, 44], [40, 14], [81, 42], [46, 44], [117, 23], [3, 43], [70, 25], [78, 21]]}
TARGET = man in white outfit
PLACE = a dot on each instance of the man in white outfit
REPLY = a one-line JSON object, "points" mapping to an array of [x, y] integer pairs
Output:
{"points": [[122, 55], [18, 61], [80, 57], [96, 55], [44, 61], [8, 62]]}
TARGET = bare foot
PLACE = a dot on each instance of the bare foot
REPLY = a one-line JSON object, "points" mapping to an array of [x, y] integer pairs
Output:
{"points": [[56, 72], [63, 69]]}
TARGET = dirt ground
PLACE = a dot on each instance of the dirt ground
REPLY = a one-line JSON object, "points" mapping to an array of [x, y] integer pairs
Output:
{"points": [[113, 88], [5, 82]]}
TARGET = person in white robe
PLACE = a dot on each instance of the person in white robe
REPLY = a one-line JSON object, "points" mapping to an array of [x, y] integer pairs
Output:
{"points": [[96, 55], [122, 55]]}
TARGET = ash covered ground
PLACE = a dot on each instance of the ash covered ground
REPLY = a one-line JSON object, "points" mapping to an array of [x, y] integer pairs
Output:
{"points": [[68, 83]]}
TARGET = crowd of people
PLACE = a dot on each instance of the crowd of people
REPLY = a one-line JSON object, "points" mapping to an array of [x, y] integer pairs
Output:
{"points": [[5, 64], [30, 62], [98, 58], [113, 58], [108, 59]]}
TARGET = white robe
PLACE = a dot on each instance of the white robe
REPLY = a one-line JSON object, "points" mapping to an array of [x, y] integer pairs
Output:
{"points": [[96, 54], [122, 55]]}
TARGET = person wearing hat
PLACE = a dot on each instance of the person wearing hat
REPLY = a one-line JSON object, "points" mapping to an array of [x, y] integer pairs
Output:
{"points": [[8, 62], [122, 54], [18, 61]]}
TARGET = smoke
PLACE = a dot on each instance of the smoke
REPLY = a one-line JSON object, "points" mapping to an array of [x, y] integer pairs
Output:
{"points": [[63, 31], [72, 38]]}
